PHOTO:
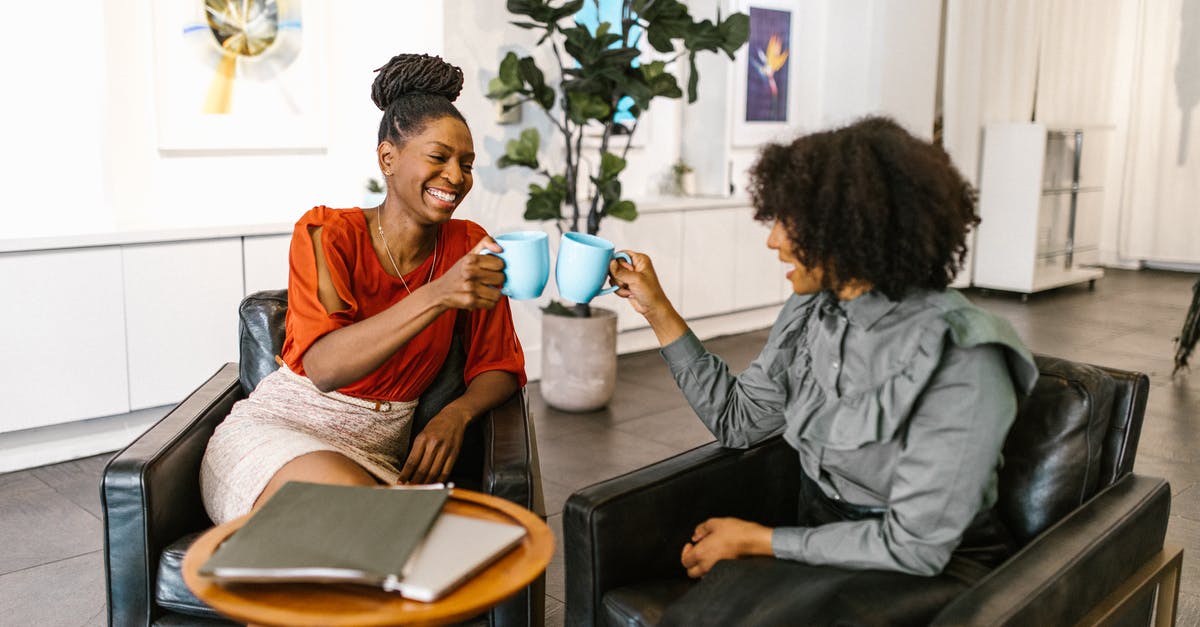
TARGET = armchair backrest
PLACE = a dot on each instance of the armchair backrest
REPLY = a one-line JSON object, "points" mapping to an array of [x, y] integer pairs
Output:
{"points": [[1075, 434], [261, 318]]}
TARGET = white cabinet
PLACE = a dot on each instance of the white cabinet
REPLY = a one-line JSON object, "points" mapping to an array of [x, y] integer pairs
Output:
{"points": [[62, 348], [266, 262], [180, 305], [1041, 196], [710, 270]]}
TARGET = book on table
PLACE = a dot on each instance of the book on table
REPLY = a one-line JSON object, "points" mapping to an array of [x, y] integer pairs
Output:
{"points": [[397, 539]]}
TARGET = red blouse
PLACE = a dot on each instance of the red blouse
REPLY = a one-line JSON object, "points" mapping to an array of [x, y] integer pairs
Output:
{"points": [[362, 283]]}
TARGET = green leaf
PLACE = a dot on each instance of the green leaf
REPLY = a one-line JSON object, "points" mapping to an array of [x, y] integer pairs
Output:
{"points": [[660, 40], [586, 107], [610, 166], [522, 151], [545, 203], [623, 210], [510, 71], [545, 97], [735, 31], [529, 72]]}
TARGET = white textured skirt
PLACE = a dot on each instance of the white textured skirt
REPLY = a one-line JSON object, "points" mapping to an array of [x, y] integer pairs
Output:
{"points": [[285, 417]]}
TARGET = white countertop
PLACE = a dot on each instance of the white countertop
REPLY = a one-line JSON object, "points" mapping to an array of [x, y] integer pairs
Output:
{"points": [[148, 236]]}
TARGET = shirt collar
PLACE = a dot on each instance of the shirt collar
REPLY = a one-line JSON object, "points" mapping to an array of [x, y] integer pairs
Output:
{"points": [[863, 311]]}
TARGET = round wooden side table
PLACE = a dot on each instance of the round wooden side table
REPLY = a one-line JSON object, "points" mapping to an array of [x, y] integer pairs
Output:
{"points": [[303, 604]]}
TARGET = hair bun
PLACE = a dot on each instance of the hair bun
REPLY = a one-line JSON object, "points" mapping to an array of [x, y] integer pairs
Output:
{"points": [[415, 73]]}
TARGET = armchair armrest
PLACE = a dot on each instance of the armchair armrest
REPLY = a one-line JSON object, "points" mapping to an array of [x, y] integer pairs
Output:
{"points": [[631, 528], [1073, 565], [510, 462], [150, 495]]}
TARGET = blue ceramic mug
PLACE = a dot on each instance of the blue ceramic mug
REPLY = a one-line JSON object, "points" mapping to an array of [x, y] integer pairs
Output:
{"points": [[526, 258], [582, 266]]}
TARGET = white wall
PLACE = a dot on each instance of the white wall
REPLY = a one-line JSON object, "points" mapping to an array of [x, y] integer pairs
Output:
{"points": [[86, 125]]}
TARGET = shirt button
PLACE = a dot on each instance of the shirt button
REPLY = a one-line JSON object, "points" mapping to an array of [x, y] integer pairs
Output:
{"points": [[835, 365]]}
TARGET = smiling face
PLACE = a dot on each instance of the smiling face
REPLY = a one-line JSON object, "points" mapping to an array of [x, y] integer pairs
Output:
{"points": [[430, 174], [804, 280]]}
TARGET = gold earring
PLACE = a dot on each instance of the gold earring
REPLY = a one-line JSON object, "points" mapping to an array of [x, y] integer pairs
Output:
{"points": [[387, 173]]}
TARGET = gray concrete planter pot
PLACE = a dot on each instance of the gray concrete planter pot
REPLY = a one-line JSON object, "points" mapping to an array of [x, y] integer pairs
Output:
{"points": [[579, 360]]}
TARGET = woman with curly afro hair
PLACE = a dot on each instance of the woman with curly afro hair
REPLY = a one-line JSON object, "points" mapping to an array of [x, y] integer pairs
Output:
{"points": [[896, 392]]}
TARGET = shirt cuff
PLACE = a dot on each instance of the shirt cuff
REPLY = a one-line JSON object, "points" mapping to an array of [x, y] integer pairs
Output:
{"points": [[788, 542], [684, 350]]}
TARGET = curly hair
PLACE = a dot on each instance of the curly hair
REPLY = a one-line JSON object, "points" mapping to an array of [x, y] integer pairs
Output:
{"points": [[868, 202], [412, 90]]}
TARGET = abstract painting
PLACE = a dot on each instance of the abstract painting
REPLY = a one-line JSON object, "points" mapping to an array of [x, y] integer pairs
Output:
{"points": [[240, 74]]}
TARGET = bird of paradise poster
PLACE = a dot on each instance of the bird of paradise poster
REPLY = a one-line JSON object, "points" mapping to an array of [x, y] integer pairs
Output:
{"points": [[767, 65]]}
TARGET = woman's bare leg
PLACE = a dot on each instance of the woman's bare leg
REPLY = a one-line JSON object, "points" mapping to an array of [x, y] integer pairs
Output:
{"points": [[317, 467]]}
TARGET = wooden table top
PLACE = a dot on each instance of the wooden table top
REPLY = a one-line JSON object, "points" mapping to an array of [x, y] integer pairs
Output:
{"points": [[303, 604]]}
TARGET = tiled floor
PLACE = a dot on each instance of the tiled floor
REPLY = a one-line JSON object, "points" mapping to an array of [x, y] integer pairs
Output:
{"points": [[50, 543]]}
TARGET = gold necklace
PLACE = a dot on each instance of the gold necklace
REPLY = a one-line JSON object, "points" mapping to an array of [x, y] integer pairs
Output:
{"points": [[388, 250]]}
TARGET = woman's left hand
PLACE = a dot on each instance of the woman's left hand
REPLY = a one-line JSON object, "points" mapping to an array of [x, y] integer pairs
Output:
{"points": [[719, 539], [436, 448]]}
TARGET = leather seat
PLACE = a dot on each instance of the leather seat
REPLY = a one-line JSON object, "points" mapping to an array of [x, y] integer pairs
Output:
{"points": [[150, 490], [1085, 523]]}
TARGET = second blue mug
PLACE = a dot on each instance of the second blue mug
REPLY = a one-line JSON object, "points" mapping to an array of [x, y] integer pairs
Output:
{"points": [[582, 266]]}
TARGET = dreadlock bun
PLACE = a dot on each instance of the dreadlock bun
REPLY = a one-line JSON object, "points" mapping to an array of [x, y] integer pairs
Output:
{"points": [[408, 74]]}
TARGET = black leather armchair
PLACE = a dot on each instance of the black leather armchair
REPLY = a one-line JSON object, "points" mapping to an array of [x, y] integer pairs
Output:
{"points": [[1085, 522], [151, 497]]}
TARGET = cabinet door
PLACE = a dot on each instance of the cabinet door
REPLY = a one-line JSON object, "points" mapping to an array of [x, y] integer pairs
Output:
{"points": [[181, 304], [266, 259], [659, 235], [63, 343], [757, 268], [710, 261]]}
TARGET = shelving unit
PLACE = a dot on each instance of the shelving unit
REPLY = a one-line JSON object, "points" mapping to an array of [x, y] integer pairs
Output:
{"points": [[1041, 198]]}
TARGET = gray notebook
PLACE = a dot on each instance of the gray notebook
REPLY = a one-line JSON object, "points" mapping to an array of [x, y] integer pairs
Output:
{"points": [[318, 532]]}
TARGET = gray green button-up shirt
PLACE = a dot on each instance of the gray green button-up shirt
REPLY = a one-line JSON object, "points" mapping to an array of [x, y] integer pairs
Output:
{"points": [[903, 405]]}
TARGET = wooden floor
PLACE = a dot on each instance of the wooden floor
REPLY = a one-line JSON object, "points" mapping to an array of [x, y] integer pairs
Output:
{"points": [[51, 562]]}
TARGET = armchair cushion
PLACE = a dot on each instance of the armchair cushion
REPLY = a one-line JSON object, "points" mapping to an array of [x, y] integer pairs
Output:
{"points": [[1053, 453]]}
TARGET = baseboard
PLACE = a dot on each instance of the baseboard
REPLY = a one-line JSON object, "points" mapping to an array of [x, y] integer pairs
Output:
{"points": [[30, 448]]}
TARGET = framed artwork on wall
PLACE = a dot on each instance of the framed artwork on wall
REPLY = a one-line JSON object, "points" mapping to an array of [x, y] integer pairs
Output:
{"points": [[236, 75], [763, 104]]}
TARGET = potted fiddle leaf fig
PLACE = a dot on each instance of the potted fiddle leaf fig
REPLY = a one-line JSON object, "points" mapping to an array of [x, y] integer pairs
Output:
{"points": [[599, 84]]}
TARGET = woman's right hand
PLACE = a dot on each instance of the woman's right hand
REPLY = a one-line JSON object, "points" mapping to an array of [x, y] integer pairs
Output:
{"points": [[638, 283], [474, 281]]}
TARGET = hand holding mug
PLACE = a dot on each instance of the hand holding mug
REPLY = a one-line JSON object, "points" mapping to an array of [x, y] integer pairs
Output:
{"points": [[638, 282], [474, 281]]}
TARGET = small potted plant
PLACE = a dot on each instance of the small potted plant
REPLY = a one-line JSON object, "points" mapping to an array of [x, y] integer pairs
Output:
{"points": [[683, 178]]}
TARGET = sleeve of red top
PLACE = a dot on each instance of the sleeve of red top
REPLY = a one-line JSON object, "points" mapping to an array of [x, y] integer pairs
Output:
{"points": [[310, 320], [492, 342]]}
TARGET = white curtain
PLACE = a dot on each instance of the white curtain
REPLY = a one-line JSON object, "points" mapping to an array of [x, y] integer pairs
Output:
{"points": [[990, 72], [1160, 209]]}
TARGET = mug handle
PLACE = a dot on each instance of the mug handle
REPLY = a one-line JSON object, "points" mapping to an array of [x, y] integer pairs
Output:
{"points": [[503, 288], [612, 288]]}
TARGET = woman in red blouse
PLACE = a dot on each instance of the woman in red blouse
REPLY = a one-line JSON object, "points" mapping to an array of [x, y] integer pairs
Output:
{"points": [[374, 296]]}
